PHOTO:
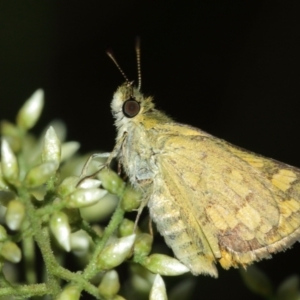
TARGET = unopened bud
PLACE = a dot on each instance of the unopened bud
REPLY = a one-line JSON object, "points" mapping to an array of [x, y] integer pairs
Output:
{"points": [[287, 290], [40, 174], [109, 285], [9, 164], [12, 134], [164, 265], [111, 182], [84, 197], [68, 149], [126, 227], [51, 147], [80, 242], [158, 290], [31, 110], [11, 252], [59, 225], [143, 244], [69, 292], [68, 186], [131, 199], [15, 214], [89, 183], [257, 281], [115, 253]]}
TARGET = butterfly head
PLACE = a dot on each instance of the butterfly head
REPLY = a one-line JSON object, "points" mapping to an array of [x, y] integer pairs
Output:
{"points": [[129, 106], [129, 103]]}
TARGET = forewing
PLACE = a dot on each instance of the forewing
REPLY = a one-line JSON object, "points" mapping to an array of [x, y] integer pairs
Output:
{"points": [[241, 205]]}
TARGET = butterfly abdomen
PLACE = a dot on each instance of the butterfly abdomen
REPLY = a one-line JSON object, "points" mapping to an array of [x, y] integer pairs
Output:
{"points": [[170, 224]]}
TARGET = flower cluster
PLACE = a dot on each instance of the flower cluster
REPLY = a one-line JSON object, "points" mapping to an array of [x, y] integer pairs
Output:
{"points": [[47, 203]]}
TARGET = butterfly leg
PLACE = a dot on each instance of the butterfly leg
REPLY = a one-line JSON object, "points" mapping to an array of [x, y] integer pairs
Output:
{"points": [[110, 156], [119, 168], [144, 202], [139, 213], [150, 227], [93, 156]]}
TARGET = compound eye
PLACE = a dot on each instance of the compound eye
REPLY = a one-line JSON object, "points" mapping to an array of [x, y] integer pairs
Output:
{"points": [[131, 108]]}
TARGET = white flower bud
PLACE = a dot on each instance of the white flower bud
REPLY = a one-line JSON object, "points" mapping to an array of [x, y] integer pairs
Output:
{"points": [[31, 110], [60, 227], [109, 285], [12, 134], [288, 289], [40, 174], [68, 186], [15, 214], [11, 252], [143, 244], [111, 181], [68, 150], [70, 292], [164, 265], [89, 183], [100, 210], [3, 184], [39, 192], [80, 242], [127, 228], [257, 281], [60, 129], [51, 147], [141, 279], [115, 253], [9, 164], [84, 197], [158, 290], [131, 199]]}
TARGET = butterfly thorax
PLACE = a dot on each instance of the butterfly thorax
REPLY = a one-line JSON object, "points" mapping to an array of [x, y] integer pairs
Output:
{"points": [[138, 151]]}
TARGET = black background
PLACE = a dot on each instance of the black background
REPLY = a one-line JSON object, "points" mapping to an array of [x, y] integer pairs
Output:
{"points": [[228, 67]]}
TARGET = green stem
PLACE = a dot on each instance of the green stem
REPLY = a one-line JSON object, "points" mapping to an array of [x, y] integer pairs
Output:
{"points": [[90, 231], [29, 259], [41, 238], [50, 208], [55, 271], [25, 291], [91, 269]]}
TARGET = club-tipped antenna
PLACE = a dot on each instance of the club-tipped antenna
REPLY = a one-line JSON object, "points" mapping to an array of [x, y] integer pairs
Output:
{"points": [[111, 56], [138, 61]]}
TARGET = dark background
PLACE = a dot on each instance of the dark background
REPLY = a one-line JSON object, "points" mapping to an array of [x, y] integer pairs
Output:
{"points": [[228, 67]]}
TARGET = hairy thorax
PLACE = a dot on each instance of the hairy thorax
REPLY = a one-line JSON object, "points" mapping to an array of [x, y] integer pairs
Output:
{"points": [[138, 157]]}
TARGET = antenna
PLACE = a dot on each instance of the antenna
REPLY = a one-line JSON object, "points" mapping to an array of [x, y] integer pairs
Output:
{"points": [[111, 56], [138, 61]]}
